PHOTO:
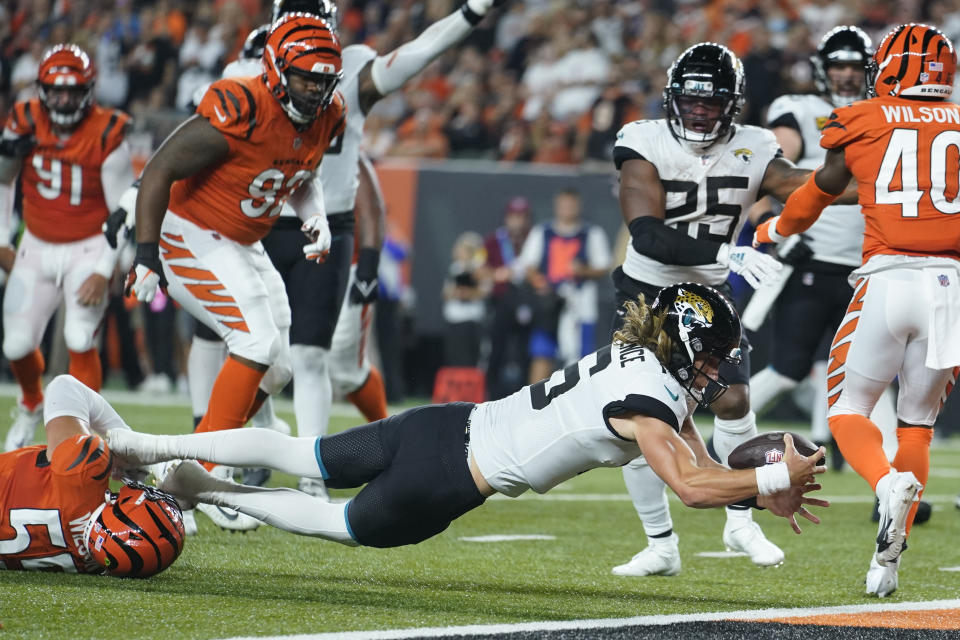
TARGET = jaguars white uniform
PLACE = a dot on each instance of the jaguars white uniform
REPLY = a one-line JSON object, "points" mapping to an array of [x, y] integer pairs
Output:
{"points": [[708, 193], [349, 364], [837, 236], [548, 432]]}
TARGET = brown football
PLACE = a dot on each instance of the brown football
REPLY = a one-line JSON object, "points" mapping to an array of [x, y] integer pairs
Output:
{"points": [[767, 448]]}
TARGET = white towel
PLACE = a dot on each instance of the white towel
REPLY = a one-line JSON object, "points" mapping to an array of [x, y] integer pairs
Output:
{"points": [[943, 340]]}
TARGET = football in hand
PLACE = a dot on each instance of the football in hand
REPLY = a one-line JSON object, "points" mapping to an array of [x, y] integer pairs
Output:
{"points": [[767, 448]]}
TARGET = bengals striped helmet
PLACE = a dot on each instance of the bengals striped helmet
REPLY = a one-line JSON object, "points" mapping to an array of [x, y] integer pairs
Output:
{"points": [[65, 83], [913, 60], [135, 533], [302, 45]]}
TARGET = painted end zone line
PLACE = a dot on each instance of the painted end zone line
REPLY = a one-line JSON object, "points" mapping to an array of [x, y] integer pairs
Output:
{"points": [[572, 625]]}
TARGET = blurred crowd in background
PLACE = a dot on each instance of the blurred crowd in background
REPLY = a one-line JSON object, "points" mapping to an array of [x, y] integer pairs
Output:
{"points": [[545, 81]]}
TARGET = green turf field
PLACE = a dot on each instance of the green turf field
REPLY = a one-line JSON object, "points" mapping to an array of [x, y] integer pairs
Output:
{"points": [[269, 582]]}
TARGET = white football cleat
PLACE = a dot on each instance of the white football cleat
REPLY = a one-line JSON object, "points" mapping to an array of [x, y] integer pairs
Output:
{"points": [[660, 558], [189, 522], [314, 487], [189, 481], [747, 537], [894, 507], [24, 427], [134, 448], [881, 579]]}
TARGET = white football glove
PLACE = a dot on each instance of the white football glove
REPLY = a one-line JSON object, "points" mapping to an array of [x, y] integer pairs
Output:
{"points": [[755, 267], [146, 274], [318, 231]]}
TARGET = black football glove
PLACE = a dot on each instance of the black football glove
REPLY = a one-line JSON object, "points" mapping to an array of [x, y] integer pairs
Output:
{"points": [[18, 147], [123, 218], [364, 287]]}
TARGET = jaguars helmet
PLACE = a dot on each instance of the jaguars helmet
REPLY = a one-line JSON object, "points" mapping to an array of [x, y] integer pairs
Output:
{"points": [[704, 93], [842, 45], [325, 9], [254, 44], [135, 533], [302, 44], [65, 81], [699, 321], [913, 61]]}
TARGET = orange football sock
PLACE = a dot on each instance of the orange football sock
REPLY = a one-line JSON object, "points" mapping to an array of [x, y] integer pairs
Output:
{"points": [[258, 401], [861, 444], [913, 454], [85, 367], [28, 371], [371, 397], [231, 398]]}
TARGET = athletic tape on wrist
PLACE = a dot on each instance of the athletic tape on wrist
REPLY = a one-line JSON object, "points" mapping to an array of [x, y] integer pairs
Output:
{"points": [[772, 478]]}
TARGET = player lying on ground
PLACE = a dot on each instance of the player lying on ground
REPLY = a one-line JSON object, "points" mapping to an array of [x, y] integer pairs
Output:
{"points": [[54, 498], [427, 466]]}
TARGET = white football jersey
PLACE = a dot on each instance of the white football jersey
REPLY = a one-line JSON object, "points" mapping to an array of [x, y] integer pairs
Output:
{"points": [[837, 235], [550, 431], [708, 193]]}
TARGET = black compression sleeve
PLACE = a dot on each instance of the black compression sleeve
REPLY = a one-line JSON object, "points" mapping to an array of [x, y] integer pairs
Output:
{"points": [[652, 238]]}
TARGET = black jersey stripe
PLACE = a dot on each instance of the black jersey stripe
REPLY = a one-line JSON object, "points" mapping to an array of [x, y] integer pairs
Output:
{"points": [[106, 130], [252, 118], [84, 452]]}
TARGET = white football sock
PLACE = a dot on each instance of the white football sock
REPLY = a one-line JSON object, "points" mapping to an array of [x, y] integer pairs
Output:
{"points": [[233, 447], [203, 365], [728, 434], [766, 386], [292, 511], [819, 428], [649, 495], [312, 389], [263, 418], [884, 415]]}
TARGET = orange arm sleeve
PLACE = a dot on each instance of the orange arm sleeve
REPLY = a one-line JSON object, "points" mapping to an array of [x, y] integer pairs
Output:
{"points": [[803, 207]]}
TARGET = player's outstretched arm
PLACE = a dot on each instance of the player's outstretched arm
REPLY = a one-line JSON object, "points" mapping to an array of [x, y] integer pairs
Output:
{"points": [[389, 72], [703, 487]]}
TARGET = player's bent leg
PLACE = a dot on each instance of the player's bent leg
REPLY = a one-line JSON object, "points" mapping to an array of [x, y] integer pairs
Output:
{"points": [[85, 366], [649, 496], [312, 391], [371, 397], [238, 448], [766, 386]]}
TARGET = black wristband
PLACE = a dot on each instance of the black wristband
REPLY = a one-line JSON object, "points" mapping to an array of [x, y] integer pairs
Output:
{"points": [[652, 238], [748, 502], [368, 261], [470, 15], [148, 253]]}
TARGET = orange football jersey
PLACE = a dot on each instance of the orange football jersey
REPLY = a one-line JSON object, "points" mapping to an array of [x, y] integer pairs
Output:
{"points": [[62, 190], [269, 158], [905, 156], [45, 503]]}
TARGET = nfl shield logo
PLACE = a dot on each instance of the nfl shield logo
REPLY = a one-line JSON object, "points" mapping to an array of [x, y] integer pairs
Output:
{"points": [[772, 457], [943, 280]]}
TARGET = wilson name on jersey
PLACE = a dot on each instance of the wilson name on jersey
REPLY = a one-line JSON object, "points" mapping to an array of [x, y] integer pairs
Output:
{"points": [[904, 156], [268, 159], [550, 431], [837, 235], [46, 501], [63, 197], [707, 194]]}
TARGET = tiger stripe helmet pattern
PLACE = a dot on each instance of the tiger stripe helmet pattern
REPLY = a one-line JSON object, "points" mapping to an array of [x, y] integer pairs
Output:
{"points": [[302, 44], [135, 533], [65, 80], [913, 60]]}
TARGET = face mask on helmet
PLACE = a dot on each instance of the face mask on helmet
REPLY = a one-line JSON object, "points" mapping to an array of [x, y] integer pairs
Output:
{"points": [[705, 332], [65, 84], [913, 61], [704, 94], [840, 63], [302, 62], [135, 533], [322, 8]]}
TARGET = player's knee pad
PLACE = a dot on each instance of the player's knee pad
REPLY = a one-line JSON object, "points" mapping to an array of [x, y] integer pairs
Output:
{"points": [[348, 380], [265, 347], [280, 371], [78, 337], [309, 360], [17, 343]]}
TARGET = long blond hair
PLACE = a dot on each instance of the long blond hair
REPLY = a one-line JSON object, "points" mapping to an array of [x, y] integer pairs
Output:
{"points": [[641, 326]]}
